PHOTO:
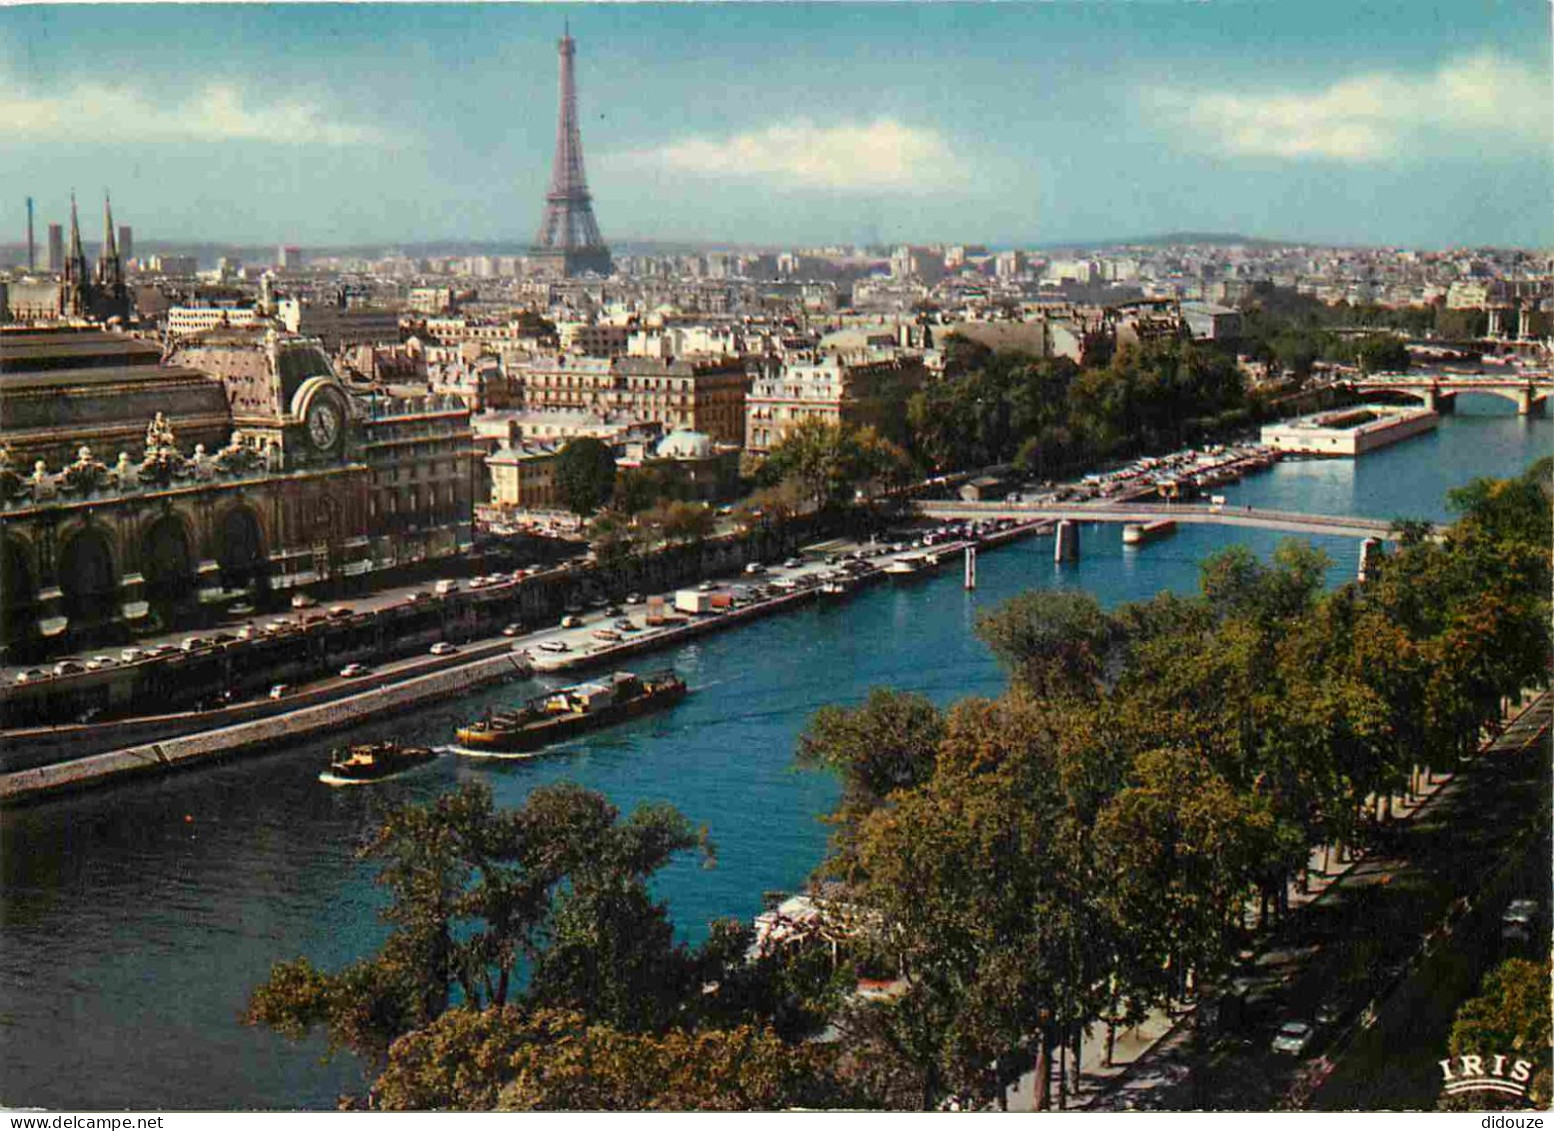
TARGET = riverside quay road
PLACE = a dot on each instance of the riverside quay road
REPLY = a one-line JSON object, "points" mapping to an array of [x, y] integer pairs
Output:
{"points": [[135, 919], [1383, 954]]}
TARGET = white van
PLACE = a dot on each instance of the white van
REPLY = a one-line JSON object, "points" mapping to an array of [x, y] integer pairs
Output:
{"points": [[446, 586]]}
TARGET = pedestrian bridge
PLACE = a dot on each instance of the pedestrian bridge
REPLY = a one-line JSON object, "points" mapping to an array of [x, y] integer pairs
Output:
{"points": [[1290, 522], [1529, 392]]}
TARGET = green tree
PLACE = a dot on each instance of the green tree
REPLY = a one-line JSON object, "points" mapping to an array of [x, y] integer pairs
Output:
{"points": [[828, 462], [1382, 353], [585, 475], [1053, 642], [1510, 1017], [478, 894], [885, 745], [555, 1060], [1510, 510]]}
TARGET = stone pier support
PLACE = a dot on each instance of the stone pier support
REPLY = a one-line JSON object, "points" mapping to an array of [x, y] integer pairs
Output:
{"points": [[1067, 546]]}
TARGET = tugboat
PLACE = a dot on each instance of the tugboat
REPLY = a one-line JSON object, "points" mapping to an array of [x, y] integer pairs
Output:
{"points": [[374, 761], [570, 711]]}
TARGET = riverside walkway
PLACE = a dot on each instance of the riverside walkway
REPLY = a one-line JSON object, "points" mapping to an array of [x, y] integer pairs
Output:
{"points": [[1292, 522]]}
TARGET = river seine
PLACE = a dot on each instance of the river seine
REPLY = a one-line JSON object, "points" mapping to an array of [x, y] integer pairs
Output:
{"points": [[135, 919]]}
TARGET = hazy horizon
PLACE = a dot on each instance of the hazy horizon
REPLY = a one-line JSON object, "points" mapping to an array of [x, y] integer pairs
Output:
{"points": [[780, 125]]}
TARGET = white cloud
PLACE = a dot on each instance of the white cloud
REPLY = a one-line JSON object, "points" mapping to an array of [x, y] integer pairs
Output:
{"points": [[1368, 117], [881, 156], [100, 112]]}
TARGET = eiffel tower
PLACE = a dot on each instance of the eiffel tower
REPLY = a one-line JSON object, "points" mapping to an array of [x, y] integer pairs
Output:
{"points": [[569, 239]]}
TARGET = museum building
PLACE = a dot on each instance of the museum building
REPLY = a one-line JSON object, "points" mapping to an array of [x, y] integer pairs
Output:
{"points": [[138, 492]]}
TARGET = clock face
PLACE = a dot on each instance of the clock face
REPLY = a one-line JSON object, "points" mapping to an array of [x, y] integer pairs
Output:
{"points": [[323, 425]]}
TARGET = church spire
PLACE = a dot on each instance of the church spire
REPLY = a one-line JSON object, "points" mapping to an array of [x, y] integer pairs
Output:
{"points": [[75, 262], [110, 272]]}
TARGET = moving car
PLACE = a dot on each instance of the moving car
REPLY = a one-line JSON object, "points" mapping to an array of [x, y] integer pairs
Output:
{"points": [[513, 630], [351, 671], [443, 648], [1293, 1037]]}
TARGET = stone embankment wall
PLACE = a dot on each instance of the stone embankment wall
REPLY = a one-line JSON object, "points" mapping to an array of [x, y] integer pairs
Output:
{"points": [[257, 734]]}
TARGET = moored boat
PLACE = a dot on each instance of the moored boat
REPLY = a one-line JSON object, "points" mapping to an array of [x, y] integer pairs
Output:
{"points": [[905, 566], [570, 711], [374, 761]]}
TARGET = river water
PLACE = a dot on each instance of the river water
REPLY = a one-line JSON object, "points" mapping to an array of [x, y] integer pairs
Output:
{"points": [[134, 919]]}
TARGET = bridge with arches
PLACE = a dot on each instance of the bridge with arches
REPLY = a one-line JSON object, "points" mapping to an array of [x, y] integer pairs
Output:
{"points": [[1529, 392]]}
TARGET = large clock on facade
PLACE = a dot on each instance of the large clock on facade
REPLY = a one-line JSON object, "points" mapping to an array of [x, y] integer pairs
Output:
{"points": [[323, 424]]}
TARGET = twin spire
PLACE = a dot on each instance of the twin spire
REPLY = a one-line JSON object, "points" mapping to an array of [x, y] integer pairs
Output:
{"points": [[110, 269]]}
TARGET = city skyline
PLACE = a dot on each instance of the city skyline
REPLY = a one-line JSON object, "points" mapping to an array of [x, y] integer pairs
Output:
{"points": [[781, 124]]}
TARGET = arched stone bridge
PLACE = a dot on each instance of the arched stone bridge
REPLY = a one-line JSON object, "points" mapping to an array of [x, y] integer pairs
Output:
{"points": [[1529, 392]]}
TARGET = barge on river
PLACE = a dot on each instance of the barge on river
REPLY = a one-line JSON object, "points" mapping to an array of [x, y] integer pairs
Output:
{"points": [[374, 761], [570, 711]]}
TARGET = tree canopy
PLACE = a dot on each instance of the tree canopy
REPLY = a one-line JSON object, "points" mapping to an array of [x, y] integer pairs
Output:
{"points": [[585, 475]]}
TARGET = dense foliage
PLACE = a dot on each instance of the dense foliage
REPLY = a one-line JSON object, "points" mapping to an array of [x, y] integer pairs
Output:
{"points": [[585, 475], [1096, 842], [1047, 414]]}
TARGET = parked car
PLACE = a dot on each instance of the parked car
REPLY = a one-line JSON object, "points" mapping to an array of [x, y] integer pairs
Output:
{"points": [[445, 586], [280, 691], [97, 663], [513, 630], [302, 601], [634, 598], [338, 611], [69, 667], [443, 648], [571, 621], [792, 563], [608, 635], [132, 655], [555, 646], [1293, 1038], [191, 643], [351, 671], [31, 675], [1516, 925], [754, 568]]}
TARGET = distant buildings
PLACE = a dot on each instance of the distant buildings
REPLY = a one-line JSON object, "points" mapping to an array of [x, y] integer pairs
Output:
{"points": [[54, 261], [851, 390]]}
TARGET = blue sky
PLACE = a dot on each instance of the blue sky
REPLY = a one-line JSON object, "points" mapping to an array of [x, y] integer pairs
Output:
{"points": [[1415, 124]]}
